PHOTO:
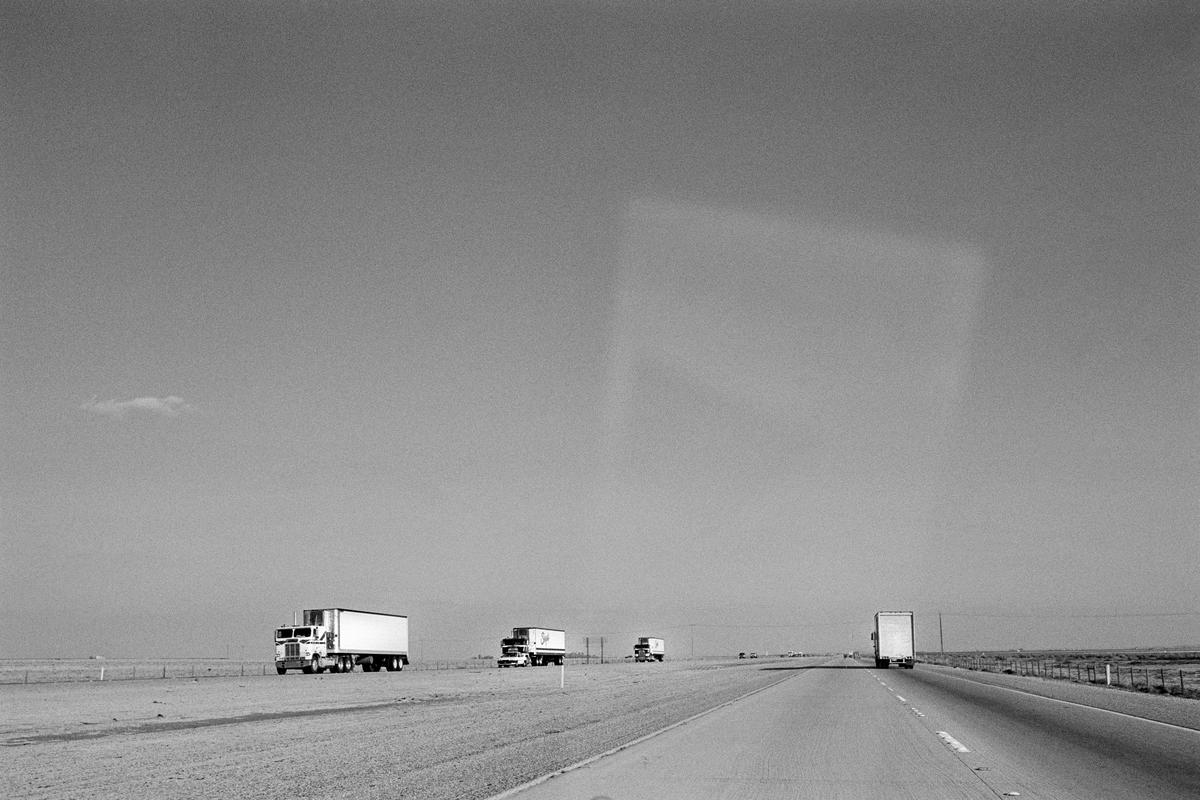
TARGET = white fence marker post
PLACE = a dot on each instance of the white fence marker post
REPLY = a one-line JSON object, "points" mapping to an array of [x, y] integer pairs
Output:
{"points": [[562, 674], [1108, 674]]}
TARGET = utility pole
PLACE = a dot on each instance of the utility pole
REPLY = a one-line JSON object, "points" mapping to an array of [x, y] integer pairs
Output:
{"points": [[693, 629], [941, 639], [587, 649], [601, 649]]}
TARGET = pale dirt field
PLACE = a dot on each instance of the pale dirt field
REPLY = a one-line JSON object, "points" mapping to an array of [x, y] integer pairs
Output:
{"points": [[451, 734]]}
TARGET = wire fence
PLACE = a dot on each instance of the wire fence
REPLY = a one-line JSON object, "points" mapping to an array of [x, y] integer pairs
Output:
{"points": [[1175, 674], [83, 670]]}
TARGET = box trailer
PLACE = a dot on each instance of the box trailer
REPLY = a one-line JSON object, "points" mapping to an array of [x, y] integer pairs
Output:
{"points": [[532, 647], [649, 648], [338, 639], [893, 639]]}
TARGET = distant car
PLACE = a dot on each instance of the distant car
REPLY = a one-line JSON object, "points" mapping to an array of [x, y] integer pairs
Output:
{"points": [[741, 655], [754, 655]]}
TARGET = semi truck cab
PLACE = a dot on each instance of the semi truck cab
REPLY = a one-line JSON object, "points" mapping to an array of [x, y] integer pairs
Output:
{"points": [[302, 647], [514, 652]]}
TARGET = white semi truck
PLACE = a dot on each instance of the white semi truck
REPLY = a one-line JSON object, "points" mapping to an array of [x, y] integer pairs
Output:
{"points": [[893, 639], [649, 648], [338, 639], [532, 647]]}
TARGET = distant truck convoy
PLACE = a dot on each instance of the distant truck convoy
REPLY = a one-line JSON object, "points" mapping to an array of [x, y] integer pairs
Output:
{"points": [[649, 648], [532, 647], [337, 639], [893, 639]]}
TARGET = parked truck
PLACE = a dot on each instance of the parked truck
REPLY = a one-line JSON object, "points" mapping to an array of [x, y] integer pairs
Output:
{"points": [[893, 639], [338, 639], [649, 648], [532, 647]]}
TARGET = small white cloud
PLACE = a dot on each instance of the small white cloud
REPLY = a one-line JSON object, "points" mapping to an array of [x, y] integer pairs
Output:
{"points": [[171, 406]]}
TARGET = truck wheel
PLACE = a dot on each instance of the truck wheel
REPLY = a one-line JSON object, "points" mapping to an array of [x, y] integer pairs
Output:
{"points": [[316, 665], [281, 670], [347, 664]]}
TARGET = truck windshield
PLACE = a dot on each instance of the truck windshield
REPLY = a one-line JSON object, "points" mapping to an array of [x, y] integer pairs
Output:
{"points": [[293, 633]]}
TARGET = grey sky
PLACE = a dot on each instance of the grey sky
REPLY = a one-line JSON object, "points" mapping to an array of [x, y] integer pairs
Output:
{"points": [[726, 322]]}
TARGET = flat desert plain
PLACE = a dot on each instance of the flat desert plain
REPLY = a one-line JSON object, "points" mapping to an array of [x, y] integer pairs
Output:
{"points": [[427, 734]]}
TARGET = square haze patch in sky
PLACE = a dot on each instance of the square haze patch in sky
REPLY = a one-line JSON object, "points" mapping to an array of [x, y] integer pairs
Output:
{"points": [[852, 342]]}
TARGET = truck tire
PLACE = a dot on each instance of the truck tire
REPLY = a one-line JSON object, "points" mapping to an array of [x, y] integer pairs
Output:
{"points": [[281, 670]]}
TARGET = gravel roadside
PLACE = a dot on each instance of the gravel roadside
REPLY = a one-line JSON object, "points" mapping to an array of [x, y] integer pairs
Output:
{"points": [[450, 735]]}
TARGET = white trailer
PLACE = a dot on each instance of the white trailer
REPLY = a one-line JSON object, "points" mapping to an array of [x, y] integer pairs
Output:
{"points": [[338, 639], [532, 647], [893, 639], [649, 648]]}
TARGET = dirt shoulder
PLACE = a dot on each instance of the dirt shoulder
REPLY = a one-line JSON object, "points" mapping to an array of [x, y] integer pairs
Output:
{"points": [[460, 734]]}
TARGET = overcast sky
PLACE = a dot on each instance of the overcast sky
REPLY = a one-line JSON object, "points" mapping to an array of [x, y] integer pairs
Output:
{"points": [[730, 323]]}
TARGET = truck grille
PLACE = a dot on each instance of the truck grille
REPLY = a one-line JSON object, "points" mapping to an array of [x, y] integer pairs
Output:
{"points": [[291, 651]]}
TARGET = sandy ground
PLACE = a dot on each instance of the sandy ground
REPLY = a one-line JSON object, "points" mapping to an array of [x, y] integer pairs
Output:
{"points": [[452, 734]]}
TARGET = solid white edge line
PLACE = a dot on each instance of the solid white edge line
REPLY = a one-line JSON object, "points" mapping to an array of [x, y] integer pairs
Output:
{"points": [[571, 767]]}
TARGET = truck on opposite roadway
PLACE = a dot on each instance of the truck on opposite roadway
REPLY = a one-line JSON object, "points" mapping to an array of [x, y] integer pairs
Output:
{"points": [[338, 639], [893, 639], [649, 648], [532, 647]]}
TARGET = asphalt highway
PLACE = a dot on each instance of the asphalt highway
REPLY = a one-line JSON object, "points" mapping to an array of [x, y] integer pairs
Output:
{"points": [[847, 730]]}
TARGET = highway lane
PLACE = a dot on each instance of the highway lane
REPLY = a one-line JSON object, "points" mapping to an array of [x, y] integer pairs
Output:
{"points": [[861, 732], [1049, 748]]}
